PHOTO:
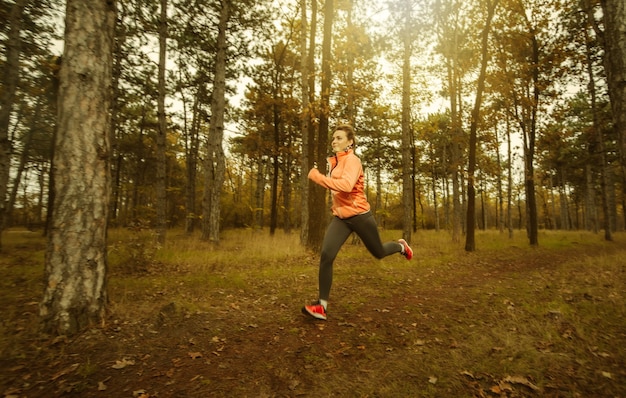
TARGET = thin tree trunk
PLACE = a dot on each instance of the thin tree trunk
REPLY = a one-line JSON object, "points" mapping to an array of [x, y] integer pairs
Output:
{"points": [[23, 158], [406, 146], [161, 142], [306, 120], [286, 186], [531, 199], [117, 159], [500, 204], [192, 145], [259, 193], [509, 189]]}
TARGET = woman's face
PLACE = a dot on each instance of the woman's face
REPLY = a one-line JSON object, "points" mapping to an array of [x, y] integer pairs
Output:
{"points": [[340, 141]]}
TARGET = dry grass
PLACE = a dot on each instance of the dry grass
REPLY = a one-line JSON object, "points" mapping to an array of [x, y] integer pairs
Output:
{"points": [[508, 320]]}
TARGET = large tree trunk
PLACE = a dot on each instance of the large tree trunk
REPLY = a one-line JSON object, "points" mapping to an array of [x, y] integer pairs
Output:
{"points": [[161, 141], [614, 14], [598, 139], [10, 77], [76, 262], [317, 195], [215, 166]]}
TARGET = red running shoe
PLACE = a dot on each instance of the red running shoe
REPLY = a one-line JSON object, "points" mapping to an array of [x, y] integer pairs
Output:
{"points": [[316, 310], [406, 249]]}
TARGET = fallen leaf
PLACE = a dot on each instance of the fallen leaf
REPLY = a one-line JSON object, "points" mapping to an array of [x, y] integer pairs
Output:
{"points": [[294, 384], [195, 355], [521, 380], [432, 380], [65, 371], [101, 386], [608, 375], [123, 363], [468, 374]]}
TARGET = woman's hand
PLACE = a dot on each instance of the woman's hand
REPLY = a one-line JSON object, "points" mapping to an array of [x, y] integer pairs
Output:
{"points": [[314, 172]]}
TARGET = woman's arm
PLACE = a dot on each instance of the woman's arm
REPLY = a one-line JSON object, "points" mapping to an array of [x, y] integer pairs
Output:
{"points": [[349, 176]]}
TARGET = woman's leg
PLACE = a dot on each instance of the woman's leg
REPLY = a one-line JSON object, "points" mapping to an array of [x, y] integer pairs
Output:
{"points": [[365, 226], [335, 236]]}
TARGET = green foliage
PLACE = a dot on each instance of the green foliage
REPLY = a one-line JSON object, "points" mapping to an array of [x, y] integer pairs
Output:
{"points": [[264, 115]]}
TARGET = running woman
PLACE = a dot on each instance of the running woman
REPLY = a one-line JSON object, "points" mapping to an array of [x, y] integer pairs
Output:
{"points": [[351, 212]]}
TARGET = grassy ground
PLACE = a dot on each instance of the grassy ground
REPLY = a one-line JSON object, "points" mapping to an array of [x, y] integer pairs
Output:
{"points": [[193, 320]]}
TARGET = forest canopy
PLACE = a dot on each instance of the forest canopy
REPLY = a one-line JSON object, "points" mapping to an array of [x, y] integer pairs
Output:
{"points": [[404, 73]]}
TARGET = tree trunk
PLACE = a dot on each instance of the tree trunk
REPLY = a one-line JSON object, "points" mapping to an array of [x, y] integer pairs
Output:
{"points": [[23, 159], [598, 138], [10, 77], [287, 188], [470, 241], [191, 160], [116, 157], [318, 209], [406, 146], [306, 121], [614, 40], [76, 259], [500, 204], [531, 199], [216, 164], [259, 193], [509, 179], [161, 141]]}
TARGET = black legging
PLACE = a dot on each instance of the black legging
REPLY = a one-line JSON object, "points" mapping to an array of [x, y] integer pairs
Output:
{"points": [[337, 232]]}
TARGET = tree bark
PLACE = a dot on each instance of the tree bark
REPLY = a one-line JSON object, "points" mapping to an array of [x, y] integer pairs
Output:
{"points": [[614, 38], [75, 294], [470, 241], [407, 145], [191, 161], [161, 141], [598, 137], [529, 151], [306, 121], [317, 195], [215, 165]]}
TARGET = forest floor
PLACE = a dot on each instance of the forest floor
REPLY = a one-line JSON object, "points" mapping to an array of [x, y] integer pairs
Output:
{"points": [[505, 321]]}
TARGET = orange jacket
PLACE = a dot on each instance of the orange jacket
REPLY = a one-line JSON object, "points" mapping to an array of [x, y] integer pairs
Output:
{"points": [[346, 183]]}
